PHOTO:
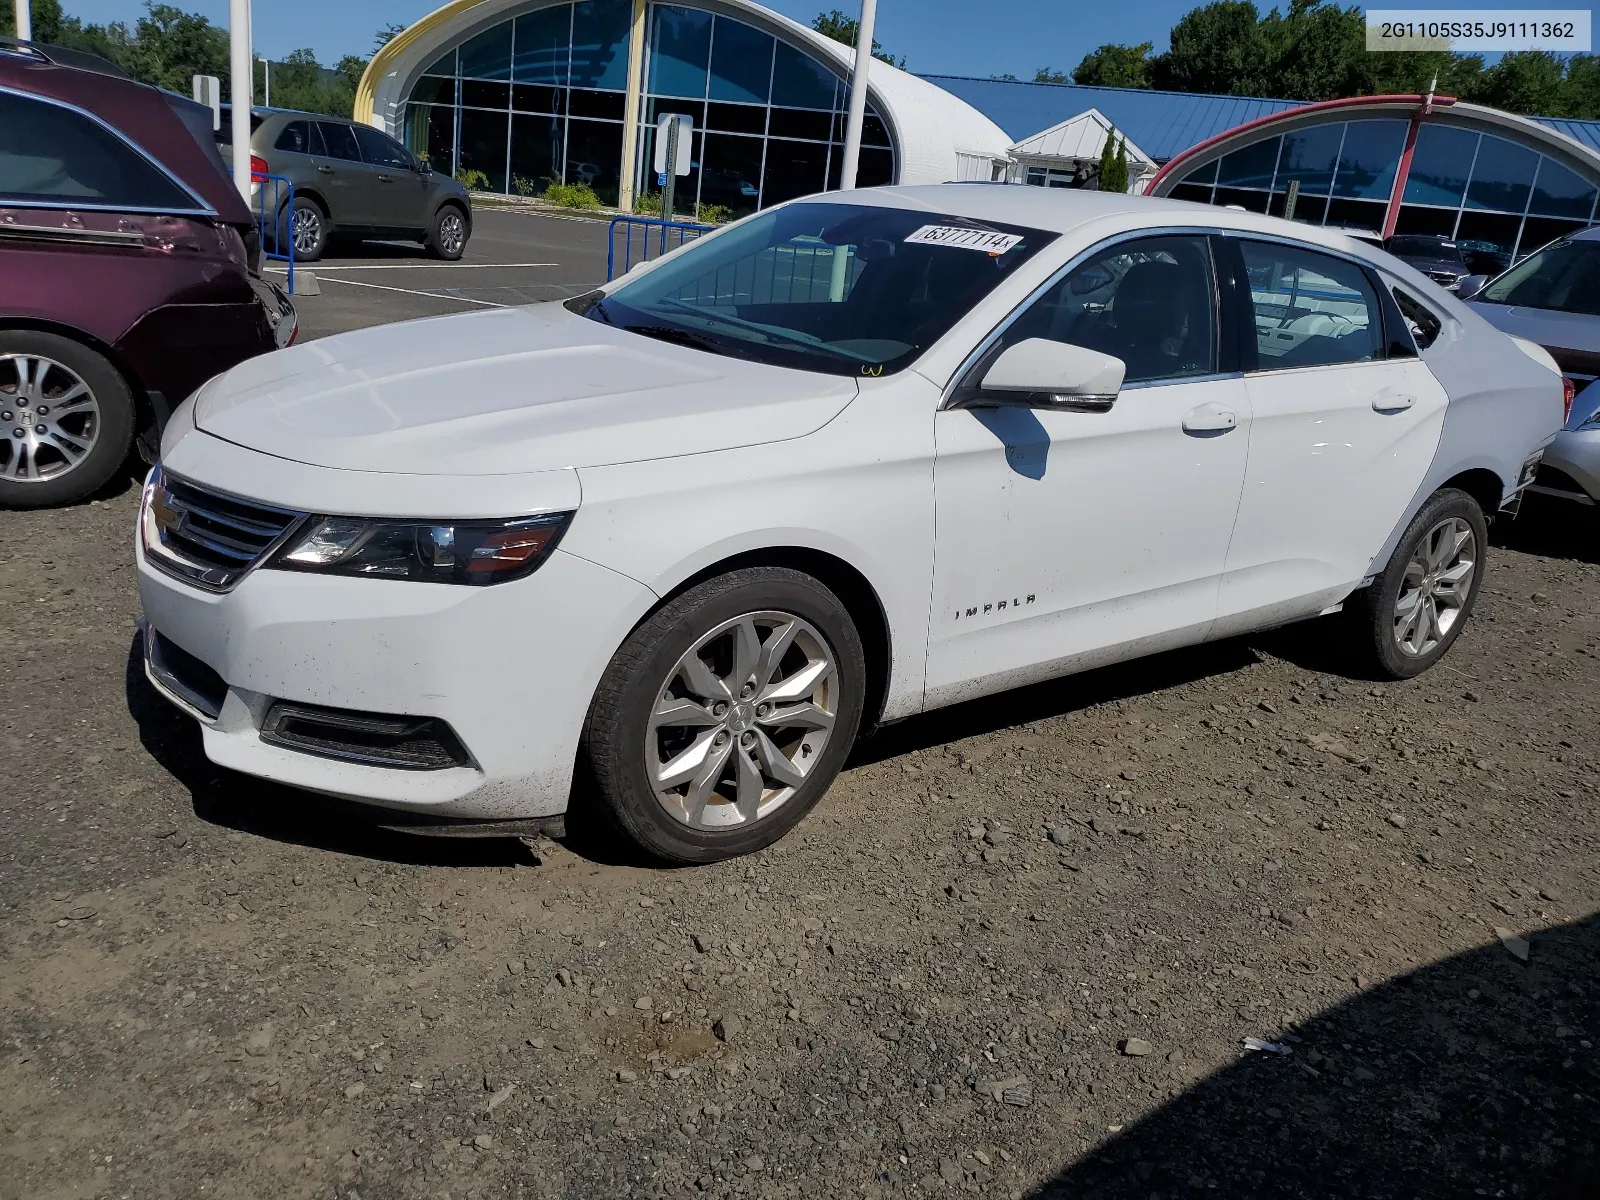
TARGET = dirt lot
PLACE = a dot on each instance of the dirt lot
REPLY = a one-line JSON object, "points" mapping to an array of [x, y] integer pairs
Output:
{"points": [[212, 987]]}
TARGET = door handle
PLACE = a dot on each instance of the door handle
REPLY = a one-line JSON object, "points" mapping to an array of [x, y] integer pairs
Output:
{"points": [[326, 170], [1209, 418], [384, 179], [1392, 400]]}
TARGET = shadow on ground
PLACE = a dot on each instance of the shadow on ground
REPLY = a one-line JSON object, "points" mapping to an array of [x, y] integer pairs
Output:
{"points": [[1472, 1077], [233, 801], [1551, 528]]}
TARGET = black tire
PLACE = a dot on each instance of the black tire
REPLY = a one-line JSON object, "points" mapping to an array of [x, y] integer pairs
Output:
{"points": [[1378, 634], [616, 734], [308, 212], [448, 233], [111, 422]]}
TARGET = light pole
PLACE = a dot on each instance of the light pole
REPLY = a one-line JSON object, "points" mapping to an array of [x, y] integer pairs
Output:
{"points": [[241, 89], [24, 13], [858, 95], [266, 83]]}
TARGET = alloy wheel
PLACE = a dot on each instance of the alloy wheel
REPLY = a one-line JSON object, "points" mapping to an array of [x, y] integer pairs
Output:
{"points": [[1435, 587], [452, 232], [741, 720], [305, 227], [49, 416]]}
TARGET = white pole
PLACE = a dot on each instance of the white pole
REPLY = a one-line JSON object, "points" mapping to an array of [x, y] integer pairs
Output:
{"points": [[241, 70], [266, 84], [24, 13], [858, 95]]}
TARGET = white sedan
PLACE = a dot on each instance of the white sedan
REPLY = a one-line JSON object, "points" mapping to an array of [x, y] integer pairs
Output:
{"points": [[669, 547]]}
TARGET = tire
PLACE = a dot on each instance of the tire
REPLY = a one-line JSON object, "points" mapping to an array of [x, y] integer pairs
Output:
{"points": [[1408, 619], [710, 816], [448, 233], [66, 420], [310, 228]]}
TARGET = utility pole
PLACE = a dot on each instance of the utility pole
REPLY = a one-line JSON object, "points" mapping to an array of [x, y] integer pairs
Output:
{"points": [[858, 95], [24, 13], [241, 73], [266, 83]]}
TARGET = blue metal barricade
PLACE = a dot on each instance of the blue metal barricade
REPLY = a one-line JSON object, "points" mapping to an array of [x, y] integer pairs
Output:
{"points": [[275, 204], [669, 236]]}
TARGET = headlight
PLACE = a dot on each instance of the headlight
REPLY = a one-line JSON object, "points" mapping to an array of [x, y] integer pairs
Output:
{"points": [[467, 552]]}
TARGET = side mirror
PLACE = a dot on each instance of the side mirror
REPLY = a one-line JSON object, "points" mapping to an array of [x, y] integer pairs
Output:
{"points": [[1470, 286], [1039, 373]]}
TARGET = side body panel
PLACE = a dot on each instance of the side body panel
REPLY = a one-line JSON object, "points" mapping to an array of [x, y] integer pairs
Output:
{"points": [[1069, 539], [859, 489], [1503, 407], [1328, 472]]}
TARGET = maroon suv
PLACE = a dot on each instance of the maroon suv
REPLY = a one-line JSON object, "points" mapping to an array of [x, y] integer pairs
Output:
{"points": [[127, 270]]}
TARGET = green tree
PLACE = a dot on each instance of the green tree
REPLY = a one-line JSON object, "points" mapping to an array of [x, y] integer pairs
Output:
{"points": [[1217, 49], [842, 28], [1115, 66], [1529, 81], [386, 35], [168, 47], [1046, 75], [1114, 164]]}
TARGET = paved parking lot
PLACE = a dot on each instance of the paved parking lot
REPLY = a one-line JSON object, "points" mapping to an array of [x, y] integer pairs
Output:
{"points": [[515, 256], [1016, 951]]}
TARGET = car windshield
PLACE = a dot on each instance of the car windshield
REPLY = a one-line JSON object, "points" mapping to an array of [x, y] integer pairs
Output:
{"points": [[844, 289], [1425, 247], [1564, 276]]}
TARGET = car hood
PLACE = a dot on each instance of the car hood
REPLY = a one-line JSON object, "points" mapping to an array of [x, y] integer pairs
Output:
{"points": [[1437, 264], [513, 390], [1555, 331]]}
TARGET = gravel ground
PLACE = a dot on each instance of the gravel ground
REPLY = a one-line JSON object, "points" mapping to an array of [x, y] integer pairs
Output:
{"points": [[1015, 951]]}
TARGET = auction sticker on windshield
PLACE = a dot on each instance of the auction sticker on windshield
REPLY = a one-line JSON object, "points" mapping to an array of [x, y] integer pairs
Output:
{"points": [[965, 239]]}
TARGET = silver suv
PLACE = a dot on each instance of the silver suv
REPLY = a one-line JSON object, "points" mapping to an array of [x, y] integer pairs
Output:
{"points": [[351, 180]]}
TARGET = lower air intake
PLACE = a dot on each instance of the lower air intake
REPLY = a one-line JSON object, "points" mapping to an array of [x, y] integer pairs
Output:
{"points": [[372, 739]]}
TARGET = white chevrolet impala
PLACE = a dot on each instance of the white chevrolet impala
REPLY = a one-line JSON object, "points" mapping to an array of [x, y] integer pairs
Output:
{"points": [[848, 460]]}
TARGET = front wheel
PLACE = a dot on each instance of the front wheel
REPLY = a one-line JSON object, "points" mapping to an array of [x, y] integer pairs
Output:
{"points": [[447, 236], [726, 715], [1415, 610]]}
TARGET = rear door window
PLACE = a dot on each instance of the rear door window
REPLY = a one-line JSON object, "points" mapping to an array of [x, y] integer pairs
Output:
{"points": [[382, 151], [340, 141], [1310, 309], [53, 155], [295, 138]]}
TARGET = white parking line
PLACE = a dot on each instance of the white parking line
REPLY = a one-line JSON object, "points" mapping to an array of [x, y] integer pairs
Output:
{"points": [[383, 287], [319, 267]]}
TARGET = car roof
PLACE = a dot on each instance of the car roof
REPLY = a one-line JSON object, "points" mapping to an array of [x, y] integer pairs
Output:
{"points": [[1591, 234], [1063, 210]]}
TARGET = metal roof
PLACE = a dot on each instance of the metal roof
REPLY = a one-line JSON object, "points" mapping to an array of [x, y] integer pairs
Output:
{"points": [[1587, 132], [1162, 123]]}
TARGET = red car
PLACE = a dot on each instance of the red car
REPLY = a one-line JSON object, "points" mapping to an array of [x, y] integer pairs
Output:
{"points": [[128, 270]]}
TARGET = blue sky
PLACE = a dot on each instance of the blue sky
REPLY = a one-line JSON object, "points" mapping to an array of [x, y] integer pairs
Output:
{"points": [[954, 37]]}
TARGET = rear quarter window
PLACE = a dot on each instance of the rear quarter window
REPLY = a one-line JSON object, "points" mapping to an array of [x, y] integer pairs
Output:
{"points": [[1422, 321], [54, 155]]}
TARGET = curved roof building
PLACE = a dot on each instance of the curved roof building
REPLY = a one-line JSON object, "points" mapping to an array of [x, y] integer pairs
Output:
{"points": [[1493, 181], [525, 91]]}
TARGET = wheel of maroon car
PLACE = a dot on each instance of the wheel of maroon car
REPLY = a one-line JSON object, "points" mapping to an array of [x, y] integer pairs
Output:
{"points": [[66, 419]]}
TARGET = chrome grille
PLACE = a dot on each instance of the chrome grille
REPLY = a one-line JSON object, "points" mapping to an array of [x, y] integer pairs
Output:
{"points": [[206, 537]]}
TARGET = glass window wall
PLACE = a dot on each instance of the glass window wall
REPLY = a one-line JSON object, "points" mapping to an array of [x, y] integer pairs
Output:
{"points": [[1497, 197], [542, 97]]}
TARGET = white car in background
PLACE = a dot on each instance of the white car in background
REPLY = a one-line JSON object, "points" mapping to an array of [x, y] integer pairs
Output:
{"points": [[850, 459]]}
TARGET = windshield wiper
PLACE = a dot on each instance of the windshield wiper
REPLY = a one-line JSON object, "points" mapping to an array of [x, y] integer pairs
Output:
{"points": [[683, 337], [793, 336]]}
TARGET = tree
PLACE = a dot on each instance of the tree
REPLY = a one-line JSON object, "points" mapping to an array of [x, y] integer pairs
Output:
{"points": [[386, 35], [169, 47], [1115, 66], [845, 29], [1046, 75], [1114, 164]]}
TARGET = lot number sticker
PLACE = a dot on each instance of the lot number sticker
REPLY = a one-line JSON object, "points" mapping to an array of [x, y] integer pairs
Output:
{"points": [[965, 239]]}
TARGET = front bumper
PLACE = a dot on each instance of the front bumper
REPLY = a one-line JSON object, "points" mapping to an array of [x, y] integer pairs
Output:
{"points": [[510, 669], [1576, 455]]}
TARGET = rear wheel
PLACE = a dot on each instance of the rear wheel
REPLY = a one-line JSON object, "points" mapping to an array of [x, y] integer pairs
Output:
{"points": [[66, 419], [307, 226], [725, 716], [1415, 610], [447, 236]]}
